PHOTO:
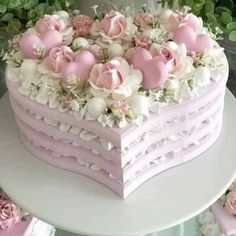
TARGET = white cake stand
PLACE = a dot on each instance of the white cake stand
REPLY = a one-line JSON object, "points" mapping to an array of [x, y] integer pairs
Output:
{"points": [[78, 204]]}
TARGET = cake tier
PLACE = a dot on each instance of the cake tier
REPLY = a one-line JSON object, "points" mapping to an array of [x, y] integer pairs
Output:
{"points": [[121, 159]]}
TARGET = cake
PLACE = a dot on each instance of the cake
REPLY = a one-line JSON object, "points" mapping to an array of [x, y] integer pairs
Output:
{"points": [[118, 97], [220, 218]]}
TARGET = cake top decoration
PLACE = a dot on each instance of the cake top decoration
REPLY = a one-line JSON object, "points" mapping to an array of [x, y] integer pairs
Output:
{"points": [[114, 68]]}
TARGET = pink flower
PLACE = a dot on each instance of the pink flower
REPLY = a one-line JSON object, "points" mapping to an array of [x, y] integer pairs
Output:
{"points": [[108, 76], [82, 25], [169, 54], [10, 214], [191, 20], [144, 19], [49, 22], [113, 24], [230, 205], [58, 57], [143, 41]]}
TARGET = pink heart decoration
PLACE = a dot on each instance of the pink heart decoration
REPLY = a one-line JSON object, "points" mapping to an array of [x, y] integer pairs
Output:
{"points": [[203, 43], [154, 71], [26, 45], [155, 74], [140, 56], [51, 39], [85, 56], [48, 39], [81, 67], [193, 41]]}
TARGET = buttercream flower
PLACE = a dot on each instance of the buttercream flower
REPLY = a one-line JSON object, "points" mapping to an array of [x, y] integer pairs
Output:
{"points": [[10, 214], [182, 19], [82, 25], [170, 53], [230, 205], [144, 19], [113, 25], [53, 22], [143, 41], [57, 58], [114, 78]]}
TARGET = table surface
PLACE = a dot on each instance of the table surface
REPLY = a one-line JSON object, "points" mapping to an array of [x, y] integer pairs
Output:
{"points": [[78, 204]]}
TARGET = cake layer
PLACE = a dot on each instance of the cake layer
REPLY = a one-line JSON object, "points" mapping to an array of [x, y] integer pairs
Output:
{"points": [[123, 190], [168, 124]]}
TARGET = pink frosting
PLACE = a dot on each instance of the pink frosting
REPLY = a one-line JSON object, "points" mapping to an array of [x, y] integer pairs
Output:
{"points": [[168, 54], [58, 57], [155, 71], [82, 25], [113, 24], [144, 19], [10, 214], [108, 76], [53, 22], [47, 40], [193, 41], [80, 67], [230, 205]]}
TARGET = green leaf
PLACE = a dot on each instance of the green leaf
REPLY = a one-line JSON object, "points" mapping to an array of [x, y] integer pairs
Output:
{"points": [[211, 18], [232, 36], [182, 3], [14, 4], [30, 4], [222, 9], [231, 26], [14, 25], [3, 42], [209, 7], [226, 18], [226, 3], [7, 17], [190, 3], [3, 8]]}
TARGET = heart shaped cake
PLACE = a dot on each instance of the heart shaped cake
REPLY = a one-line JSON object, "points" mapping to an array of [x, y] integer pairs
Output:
{"points": [[117, 98]]}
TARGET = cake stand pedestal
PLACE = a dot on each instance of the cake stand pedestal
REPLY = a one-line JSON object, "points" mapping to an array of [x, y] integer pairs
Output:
{"points": [[80, 205]]}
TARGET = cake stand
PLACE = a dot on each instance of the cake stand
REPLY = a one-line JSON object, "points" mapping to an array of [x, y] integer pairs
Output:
{"points": [[80, 205]]}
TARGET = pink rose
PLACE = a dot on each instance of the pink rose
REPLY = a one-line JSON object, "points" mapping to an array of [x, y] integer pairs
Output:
{"points": [[107, 76], [190, 20], [143, 41], [144, 19], [10, 214], [113, 24], [49, 22], [169, 54], [82, 25], [57, 58], [230, 205]]}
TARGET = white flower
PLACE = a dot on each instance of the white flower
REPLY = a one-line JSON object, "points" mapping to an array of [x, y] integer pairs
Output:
{"points": [[79, 43], [139, 105], [96, 106], [202, 77]]}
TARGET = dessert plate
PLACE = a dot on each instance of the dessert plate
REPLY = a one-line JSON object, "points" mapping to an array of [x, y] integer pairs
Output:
{"points": [[78, 204]]}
